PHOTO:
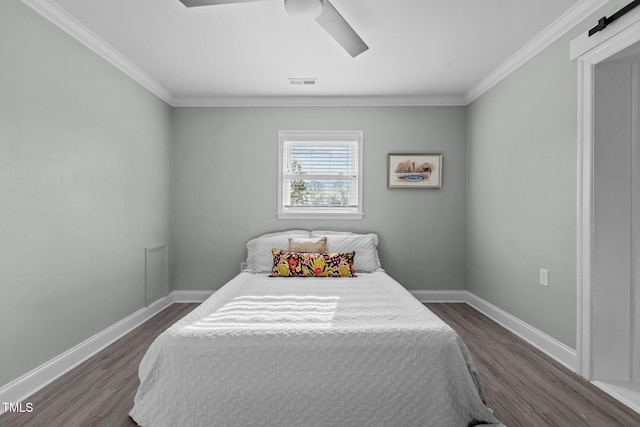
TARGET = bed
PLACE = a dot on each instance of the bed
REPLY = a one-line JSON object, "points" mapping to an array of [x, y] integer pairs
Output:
{"points": [[310, 351]]}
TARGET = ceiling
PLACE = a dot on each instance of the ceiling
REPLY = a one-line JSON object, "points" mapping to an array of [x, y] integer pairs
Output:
{"points": [[428, 51]]}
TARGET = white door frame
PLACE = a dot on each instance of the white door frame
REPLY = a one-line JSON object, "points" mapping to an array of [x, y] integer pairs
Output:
{"points": [[588, 52]]}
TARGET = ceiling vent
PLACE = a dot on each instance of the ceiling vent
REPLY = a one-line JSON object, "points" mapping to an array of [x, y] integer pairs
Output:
{"points": [[303, 81]]}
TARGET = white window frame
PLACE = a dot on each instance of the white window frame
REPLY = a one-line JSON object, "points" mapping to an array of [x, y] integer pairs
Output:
{"points": [[289, 212]]}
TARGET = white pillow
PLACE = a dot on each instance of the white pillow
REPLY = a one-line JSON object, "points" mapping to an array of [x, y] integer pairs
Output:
{"points": [[365, 246], [305, 233], [319, 233], [259, 256]]}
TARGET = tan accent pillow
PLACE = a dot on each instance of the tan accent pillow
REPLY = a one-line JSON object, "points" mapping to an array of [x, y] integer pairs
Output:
{"points": [[297, 244]]}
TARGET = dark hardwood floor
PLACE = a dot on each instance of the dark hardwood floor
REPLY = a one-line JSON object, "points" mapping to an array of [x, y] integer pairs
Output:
{"points": [[524, 387], [100, 391]]}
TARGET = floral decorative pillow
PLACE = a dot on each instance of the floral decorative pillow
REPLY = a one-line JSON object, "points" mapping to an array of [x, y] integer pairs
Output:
{"points": [[311, 264]]}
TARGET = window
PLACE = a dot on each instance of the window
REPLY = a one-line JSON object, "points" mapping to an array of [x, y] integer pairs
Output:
{"points": [[320, 174]]}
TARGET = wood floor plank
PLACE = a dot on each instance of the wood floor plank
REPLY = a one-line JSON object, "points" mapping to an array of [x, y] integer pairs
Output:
{"points": [[100, 391], [523, 386]]}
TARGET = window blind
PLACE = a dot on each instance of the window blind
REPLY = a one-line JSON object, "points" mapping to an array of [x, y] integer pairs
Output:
{"points": [[321, 174]]}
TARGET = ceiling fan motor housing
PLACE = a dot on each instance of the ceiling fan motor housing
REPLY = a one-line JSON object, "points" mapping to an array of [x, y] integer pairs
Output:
{"points": [[309, 9]]}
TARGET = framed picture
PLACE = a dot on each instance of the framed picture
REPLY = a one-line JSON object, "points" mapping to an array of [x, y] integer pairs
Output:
{"points": [[405, 170]]}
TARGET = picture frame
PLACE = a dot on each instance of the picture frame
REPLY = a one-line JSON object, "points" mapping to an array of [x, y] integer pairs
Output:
{"points": [[414, 170]]}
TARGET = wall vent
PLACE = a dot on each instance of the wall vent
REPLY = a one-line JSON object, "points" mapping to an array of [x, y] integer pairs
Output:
{"points": [[303, 81], [156, 282]]}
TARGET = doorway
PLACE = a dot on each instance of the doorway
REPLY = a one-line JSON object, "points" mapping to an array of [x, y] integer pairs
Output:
{"points": [[616, 220], [609, 216]]}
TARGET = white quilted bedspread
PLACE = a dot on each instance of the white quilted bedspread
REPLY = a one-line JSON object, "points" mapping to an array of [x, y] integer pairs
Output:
{"points": [[265, 351]]}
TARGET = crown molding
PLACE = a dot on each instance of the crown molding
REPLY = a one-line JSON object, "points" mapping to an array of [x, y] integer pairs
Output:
{"points": [[553, 32], [318, 101], [52, 12]]}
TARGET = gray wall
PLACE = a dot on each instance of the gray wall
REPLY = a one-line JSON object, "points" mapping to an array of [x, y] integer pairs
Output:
{"points": [[225, 189], [522, 190], [84, 185], [84, 179]]}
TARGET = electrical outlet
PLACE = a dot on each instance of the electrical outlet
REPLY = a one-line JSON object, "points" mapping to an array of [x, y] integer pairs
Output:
{"points": [[544, 277]]}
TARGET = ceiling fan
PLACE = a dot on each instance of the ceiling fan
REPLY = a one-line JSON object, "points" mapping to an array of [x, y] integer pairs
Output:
{"points": [[321, 10]]}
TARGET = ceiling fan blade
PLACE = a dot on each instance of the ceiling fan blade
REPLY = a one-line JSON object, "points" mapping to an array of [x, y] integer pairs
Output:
{"points": [[334, 24], [192, 3]]}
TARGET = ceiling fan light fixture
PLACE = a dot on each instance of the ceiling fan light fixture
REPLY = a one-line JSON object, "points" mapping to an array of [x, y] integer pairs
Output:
{"points": [[309, 9]]}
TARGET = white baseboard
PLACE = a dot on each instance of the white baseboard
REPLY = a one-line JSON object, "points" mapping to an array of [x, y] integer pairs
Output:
{"points": [[553, 348], [440, 296], [21, 388], [190, 296], [626, 392]]}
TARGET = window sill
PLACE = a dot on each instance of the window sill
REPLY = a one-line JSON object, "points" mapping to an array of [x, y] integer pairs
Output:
{"points": [[320, 215]]}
